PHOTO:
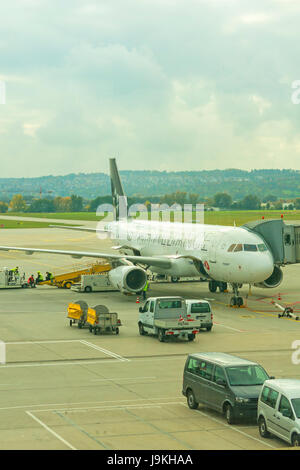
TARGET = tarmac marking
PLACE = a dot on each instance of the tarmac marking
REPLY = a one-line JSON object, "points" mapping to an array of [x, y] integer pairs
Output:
{"points": [[229, 327], [82, 403], [50, 430], [120, 378], [231, 427], [105, 351]]}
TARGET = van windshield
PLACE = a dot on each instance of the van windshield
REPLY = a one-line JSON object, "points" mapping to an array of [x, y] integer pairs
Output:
{"points": [[296, 406], [246, 375], [200, 307]]}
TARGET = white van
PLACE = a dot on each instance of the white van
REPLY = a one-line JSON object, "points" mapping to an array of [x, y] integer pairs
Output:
{"points": [[201, 310], [278, 410]]}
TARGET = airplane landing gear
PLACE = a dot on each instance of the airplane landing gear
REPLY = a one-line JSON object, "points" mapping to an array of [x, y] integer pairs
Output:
{"points": [[236, 300], [213, 285]]}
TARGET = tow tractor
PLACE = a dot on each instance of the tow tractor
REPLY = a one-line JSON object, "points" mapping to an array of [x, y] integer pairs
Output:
{"points": [[286, 311]]}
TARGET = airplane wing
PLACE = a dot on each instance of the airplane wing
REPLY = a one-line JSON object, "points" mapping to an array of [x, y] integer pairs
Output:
{"points": [[162, 262], [82, 229]]}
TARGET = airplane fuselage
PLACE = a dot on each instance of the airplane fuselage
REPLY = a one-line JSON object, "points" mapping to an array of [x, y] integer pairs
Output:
{"points": [[229, 254]]}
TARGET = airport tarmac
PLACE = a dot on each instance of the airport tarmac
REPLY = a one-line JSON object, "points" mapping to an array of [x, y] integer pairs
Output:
{"points": [[64, 388]]}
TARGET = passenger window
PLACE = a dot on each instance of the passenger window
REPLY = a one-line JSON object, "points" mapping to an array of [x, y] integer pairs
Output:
{"points": [[264, 395], [219, 374], [205, 370], [146, 306], [239, 247], [193, 366], [285, 408], [152, 306], [231, 247], [272, 398]]}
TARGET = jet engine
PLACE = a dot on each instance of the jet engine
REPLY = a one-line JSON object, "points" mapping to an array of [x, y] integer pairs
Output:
{"points": [[128, 278], [274, 280]]}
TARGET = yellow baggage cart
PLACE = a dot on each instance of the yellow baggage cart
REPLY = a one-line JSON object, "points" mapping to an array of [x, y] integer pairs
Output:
{"points": [[77, 313]]}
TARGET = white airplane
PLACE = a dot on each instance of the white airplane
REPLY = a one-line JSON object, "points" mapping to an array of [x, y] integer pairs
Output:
{"points": [[220, 254]]}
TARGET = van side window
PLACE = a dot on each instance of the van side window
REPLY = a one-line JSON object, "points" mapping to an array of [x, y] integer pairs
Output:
{"points": [[193, 366], [285, 407], [269, 396], [205, 370], [152, 306], [219, 374], [264, 395], [146, 306]]}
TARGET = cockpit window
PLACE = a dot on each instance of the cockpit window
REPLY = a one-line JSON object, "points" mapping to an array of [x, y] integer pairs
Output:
{"points": [[239, 247], [248, 247], [231, 247], [262, 247]]}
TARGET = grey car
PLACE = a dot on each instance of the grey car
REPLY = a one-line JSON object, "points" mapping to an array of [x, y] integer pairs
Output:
{"points": [[225, 383]]}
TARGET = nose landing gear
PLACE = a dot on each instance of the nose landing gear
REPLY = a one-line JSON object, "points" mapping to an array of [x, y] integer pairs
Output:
{"points": [[236, 300]]}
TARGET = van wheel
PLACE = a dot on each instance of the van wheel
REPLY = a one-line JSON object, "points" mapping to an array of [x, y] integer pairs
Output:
{"points": [[141, 329], [263, 427], [161, 336], [191, 401], [191, 337], [229, 414], [88, 289], [296, 440], [208, 328]]}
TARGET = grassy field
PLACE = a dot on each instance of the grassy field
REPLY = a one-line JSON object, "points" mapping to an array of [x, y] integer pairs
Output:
{"points": [[7, 223], [214, 217]]}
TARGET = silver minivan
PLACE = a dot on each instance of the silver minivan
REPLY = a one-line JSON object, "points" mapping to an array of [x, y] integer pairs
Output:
{"points": [[278, 410]]}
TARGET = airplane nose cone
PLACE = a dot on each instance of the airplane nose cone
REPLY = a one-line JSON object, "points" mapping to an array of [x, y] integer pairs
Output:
{"points": [[263, 268]]}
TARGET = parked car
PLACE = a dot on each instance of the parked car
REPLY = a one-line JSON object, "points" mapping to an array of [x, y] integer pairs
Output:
{"points": [[225, 383], [278, 410]]}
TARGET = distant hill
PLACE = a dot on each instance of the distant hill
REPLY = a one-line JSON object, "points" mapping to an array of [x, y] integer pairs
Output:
{"points": [[238, 183]]}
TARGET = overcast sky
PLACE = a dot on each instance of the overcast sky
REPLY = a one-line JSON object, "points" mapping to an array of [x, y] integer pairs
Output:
{"points": [[158, 84]]}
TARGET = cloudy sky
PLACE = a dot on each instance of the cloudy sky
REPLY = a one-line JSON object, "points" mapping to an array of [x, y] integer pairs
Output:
{"points": [[158, 84]]}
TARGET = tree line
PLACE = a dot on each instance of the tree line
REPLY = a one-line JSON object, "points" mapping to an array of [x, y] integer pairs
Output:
{"points": [[74, 203]]}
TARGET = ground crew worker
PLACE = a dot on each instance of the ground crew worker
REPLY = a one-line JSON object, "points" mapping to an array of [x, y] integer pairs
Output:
{"points": [[145, 290], [49, 276], [39, 277], [31, 281]]}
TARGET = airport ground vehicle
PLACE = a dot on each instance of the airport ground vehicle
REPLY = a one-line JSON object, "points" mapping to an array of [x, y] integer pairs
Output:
{"points": [[225, 383], [11, 280], [67, 279], [100, 320], [166, 317], [77, 313], [93, 283], [202, 311], [278, 410]]}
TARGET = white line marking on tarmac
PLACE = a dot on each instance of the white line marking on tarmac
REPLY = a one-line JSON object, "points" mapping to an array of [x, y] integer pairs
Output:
{"points": [[105, 351], [122, 378], [110, 407], [231, 427], [85, 403], [51, 430], [229, 327]]}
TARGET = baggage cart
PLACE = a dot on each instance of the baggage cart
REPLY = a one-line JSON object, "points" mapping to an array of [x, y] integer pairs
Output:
{"points": [[77, 313], [100, 320]]}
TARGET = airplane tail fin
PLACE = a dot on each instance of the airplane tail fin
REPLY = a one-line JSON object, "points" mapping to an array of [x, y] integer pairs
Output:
{"points": [[118, 196]]}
